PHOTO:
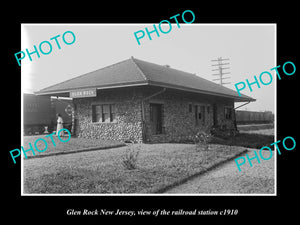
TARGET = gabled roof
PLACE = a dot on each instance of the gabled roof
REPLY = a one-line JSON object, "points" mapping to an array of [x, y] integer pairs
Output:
{"points": [[135, 72]]}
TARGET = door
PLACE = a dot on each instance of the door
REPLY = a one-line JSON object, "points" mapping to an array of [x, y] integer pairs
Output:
{"points": [[156, 118], [215, 114]]}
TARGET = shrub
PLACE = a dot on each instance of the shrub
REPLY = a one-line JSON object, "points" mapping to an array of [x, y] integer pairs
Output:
{"points": [[224, 130], [130, 157], [202, 138]]}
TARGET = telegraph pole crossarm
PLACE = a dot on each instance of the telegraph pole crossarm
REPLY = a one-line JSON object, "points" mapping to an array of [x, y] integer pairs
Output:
{"points": [[220, 69]]}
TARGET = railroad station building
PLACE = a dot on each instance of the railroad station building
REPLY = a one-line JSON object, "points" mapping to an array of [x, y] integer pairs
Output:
{"points": [[145, 102]]}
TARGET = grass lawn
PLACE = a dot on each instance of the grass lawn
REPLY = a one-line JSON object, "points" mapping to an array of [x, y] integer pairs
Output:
{"points": [[264, 129], [255, 127], [74, 144], [263, 132], [158, 166], [248, 140]]}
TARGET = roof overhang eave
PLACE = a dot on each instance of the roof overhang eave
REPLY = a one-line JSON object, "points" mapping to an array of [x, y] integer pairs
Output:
{"points": [[235, 98], [67, 91]]}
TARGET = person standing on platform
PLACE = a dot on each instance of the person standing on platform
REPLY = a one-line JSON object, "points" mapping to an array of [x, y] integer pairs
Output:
{"points": [[59, 125]]}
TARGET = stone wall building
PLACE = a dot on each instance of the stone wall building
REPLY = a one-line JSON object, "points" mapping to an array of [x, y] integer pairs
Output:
{"points": [[145, 102]]}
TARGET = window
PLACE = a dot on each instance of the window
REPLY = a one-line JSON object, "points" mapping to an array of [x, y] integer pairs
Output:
{"points": [[201, 114], [228, 113], [112, 113], [104, 113], [97, 113]]}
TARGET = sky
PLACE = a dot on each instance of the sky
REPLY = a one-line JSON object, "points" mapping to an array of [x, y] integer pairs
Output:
{"points": [[250, 48]]}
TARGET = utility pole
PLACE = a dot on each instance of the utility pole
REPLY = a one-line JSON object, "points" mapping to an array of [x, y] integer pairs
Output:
{"points": [[220, 68]]}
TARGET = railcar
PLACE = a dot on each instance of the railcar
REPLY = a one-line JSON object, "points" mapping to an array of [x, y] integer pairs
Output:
{"points": [[39, 113], [248, 117]]}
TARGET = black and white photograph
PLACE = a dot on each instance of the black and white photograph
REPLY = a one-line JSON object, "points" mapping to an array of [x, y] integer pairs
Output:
{"points": [[170, 113], [162, 117]]}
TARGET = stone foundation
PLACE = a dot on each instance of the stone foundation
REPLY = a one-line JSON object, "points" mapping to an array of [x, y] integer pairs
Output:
{"points": [[128, 124], [178, 121]]}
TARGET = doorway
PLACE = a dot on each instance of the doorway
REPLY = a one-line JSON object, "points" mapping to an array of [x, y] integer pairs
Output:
{"points": [[156, 118]]}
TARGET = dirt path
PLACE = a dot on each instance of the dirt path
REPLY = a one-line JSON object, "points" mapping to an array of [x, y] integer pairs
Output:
{"points": [[263, 131], [226, 179]]}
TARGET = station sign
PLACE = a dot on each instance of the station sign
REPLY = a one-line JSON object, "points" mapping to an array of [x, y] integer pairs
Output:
{"points": [[83, 93]]}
